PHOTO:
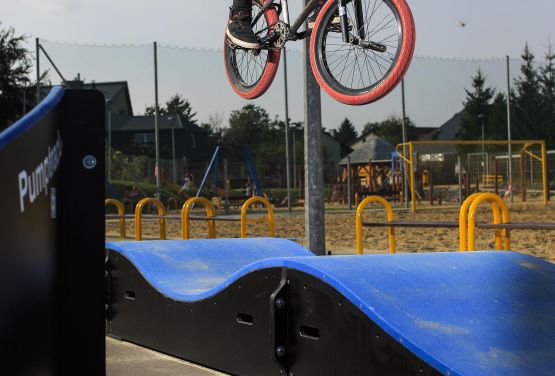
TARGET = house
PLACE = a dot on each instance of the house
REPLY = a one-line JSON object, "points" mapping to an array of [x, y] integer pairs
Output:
{"points": [[370, 158], [135, 135], [334, 151], [448, 131]]}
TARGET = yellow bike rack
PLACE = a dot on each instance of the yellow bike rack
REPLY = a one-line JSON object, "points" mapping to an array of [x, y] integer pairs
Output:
{"points": [[186, 213], [390, 218], [139, 218], [270, 218], [463, 221], [497, 205], [121, 214]]}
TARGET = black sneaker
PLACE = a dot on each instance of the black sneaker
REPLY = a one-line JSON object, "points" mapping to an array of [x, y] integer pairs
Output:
{"points": [[239, 30]]}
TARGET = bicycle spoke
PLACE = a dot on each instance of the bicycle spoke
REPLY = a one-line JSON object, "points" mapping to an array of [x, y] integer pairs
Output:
{"points": [[356, 67]]}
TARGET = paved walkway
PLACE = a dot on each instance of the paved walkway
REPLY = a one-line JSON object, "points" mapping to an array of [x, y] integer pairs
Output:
{"points": [[126, 359]]}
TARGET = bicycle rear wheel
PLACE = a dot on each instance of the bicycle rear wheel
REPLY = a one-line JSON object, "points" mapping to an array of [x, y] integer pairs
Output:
{"points": [[251, 72], [367, 69]]}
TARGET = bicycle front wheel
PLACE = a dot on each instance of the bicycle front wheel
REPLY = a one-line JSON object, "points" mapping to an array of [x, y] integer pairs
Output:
{"points": [[374, 61], [251, 72]]}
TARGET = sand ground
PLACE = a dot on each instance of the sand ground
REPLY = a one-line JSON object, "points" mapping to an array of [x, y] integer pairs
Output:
{"points": [[340, 230]]}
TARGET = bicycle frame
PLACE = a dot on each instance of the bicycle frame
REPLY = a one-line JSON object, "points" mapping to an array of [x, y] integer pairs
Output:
{"points": [[312, 5]]}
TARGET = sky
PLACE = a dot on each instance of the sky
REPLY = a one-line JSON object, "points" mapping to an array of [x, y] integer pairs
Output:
{"points": [[435, 82]]}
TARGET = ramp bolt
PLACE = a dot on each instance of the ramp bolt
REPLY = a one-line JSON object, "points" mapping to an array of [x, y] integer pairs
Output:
{"points": [[89, 162], [280, 303], [280, 351]]}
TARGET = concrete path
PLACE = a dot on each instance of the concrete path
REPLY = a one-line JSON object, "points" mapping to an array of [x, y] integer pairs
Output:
{"points": [[126, 359]]}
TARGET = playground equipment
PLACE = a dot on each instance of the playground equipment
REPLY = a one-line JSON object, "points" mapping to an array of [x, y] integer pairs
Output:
{"points": [[213, 168], [269, 307], [52, 269], [244, 306], [186, 216], [461, 164]]}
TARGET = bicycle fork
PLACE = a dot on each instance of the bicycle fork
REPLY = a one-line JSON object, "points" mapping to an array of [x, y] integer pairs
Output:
{"points": [[360, 37]]}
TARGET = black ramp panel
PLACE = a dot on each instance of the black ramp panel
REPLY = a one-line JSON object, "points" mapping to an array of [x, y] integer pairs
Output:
{"points": [[266, 306], [51, 270]]}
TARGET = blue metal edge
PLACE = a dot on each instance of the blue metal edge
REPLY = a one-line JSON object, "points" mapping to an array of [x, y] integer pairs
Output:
{"points": [[26, 122]]}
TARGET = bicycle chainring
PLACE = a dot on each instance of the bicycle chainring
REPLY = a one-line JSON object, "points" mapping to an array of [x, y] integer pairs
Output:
{"points": [[283, 31]]}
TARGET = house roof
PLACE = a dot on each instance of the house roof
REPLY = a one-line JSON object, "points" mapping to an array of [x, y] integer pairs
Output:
{"points": [[124, 123], [448, 131], [370, 148], [111, 90]]}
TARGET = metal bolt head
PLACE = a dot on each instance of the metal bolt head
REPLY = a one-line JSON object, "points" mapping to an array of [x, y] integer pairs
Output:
{"points": [[280, 303], [280, 351], [89, 162]]}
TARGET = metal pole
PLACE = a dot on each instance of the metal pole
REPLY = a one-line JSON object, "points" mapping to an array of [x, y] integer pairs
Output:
{"points": [[460, 179], [109, 145], [287, 152], [173, 155], [509, 128], [226, 188], [349, 188], [314, 169], [484, 170], [37, 56], [295, 157], [406, 188], [156, 113]]}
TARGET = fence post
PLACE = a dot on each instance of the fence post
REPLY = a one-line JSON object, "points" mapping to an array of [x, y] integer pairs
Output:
{"points": [[226, 188], [349, 187]]}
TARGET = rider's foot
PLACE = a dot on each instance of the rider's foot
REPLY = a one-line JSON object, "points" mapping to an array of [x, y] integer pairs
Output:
{"points": [[239, 30]]}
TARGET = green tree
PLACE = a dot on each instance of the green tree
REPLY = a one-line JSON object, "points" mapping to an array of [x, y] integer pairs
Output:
{"points": [[247, 126], [176, 105], [391, 130], [496, 128], [346, 132], [214, 130], [15, 67], [528, 111], [547, 89], [477, 108]]}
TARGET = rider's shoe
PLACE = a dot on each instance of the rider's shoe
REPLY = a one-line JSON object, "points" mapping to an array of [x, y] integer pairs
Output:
{"points": [[239, 30]]}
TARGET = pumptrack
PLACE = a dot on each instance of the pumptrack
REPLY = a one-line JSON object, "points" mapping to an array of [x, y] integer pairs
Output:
{"points": [[268, 306]]}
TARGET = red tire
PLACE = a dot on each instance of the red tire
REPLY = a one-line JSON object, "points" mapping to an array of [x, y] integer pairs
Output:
{"points": [[382, 86], [246, 85]]}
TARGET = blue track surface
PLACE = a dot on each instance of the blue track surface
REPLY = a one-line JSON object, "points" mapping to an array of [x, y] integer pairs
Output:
{"points": [[480, 313]]}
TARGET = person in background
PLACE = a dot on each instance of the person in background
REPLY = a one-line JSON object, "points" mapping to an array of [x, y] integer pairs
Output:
{"points": [[186, 183]]}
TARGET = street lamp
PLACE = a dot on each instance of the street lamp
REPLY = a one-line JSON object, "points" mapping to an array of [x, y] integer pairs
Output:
{"points": [[483, 118]]}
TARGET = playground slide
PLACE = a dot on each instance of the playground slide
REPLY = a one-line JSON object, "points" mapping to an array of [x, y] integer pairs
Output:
{"points": [[268, 306]]}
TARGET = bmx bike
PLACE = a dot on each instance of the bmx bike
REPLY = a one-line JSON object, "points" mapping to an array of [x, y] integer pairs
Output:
{"points": [[359, 49]]}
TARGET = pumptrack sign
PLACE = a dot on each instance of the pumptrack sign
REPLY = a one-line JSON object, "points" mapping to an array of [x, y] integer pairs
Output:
{"points": [[52, 237]]}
